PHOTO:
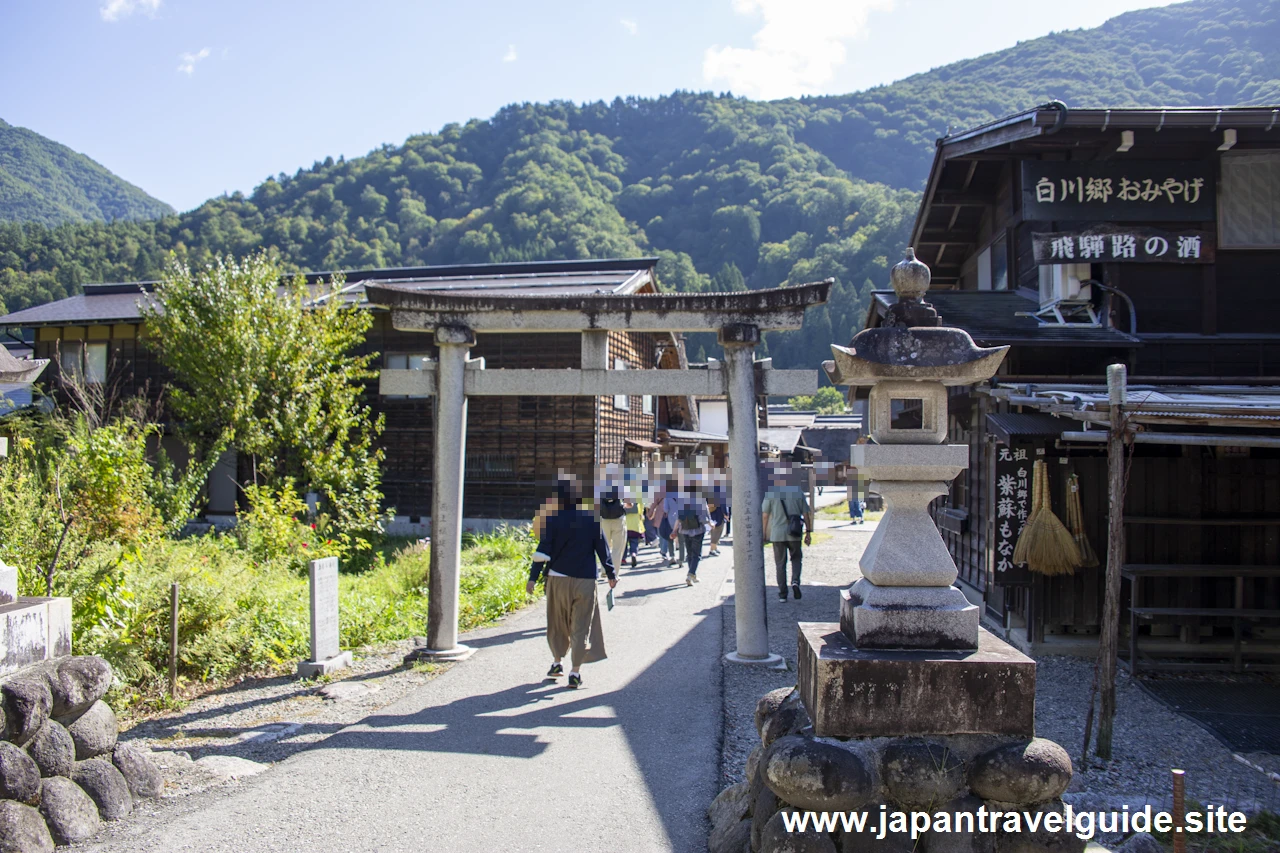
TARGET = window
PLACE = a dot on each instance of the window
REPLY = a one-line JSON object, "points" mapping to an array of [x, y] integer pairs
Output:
{"points": [[1249, 204], [88, 362], [621, 401], [405, 361], [993, 266], [646, 404]]}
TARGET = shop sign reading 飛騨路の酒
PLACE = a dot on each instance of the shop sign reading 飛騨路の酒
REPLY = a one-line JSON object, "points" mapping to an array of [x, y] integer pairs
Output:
{"points": [[1097, 243]]}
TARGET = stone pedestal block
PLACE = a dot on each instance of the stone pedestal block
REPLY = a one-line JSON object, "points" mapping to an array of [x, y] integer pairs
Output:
{"points": [[33, 630], [906, 549], [852, 692], [908, 617]]}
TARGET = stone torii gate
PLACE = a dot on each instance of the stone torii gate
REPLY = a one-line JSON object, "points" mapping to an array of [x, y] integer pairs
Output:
{"points": [[455, 319]]}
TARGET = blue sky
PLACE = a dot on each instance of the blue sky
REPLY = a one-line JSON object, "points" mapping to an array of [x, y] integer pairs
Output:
{"points": [[192, 98]]}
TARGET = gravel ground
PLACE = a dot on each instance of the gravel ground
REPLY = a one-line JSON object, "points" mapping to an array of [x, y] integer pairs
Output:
{"points": [[1149, 738]]}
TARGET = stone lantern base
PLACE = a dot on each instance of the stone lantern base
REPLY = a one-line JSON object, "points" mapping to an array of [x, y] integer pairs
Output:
{"points": [[856, 692]]}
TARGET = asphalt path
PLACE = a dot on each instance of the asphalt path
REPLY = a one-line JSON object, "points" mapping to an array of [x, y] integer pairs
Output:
{"points": [[491, 756]]}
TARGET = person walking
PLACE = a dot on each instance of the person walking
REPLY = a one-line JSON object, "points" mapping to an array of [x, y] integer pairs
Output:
{"points": [[610, 506], [787, 519], [570, 544], [658, 518], [692, 523], [671, 506], [635, 528], [718, 504]]}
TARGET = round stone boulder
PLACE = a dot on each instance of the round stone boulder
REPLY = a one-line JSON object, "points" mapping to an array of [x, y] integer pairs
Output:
{"points": [[53, 750], [788, 720], [19, 775], [26, 703], [770, 703], [730, 805], [22, 829], [766, 805], [71, 814], [1040, 839], [77, 682], [921, 774], [95, 732], [809, 774], [1023, 772], [776, 839], [142, 775], [104, 784], [956, 837], [733, 838]]}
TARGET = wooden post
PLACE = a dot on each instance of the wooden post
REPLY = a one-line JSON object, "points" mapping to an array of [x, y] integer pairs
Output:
{"points": [[1179, 811], [173, 641], [1109, 637]]}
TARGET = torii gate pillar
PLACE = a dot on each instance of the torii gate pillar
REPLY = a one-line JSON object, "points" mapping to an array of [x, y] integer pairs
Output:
{"points": [[739, 342], [453, 343]]}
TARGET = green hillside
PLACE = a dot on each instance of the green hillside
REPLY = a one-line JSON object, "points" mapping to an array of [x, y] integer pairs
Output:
{"points": [[43, 181], [729, 192]]}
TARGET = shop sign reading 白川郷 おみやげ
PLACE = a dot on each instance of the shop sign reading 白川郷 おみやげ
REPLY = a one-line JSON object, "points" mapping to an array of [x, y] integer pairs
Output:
{"points": [[1108, 244], [1118, 191]]}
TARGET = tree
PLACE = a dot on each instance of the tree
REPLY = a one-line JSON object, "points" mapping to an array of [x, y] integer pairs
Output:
{"points": [[264, 362], [828, 401]]}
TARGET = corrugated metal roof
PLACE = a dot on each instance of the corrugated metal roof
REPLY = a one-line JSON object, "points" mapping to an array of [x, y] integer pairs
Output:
{"points": [[1006, 426], [783, 439], [693, 435]]}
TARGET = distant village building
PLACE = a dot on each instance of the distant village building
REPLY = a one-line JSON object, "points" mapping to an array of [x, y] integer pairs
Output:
{"points": [[511, 441], [1145, 237]]}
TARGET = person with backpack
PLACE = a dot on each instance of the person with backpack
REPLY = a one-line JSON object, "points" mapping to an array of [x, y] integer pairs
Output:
{"points": [[692, 523], [787, 520], [610, 495]]}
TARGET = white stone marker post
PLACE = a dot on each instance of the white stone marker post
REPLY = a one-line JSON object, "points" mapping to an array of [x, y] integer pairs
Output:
{"points": [[739, 343], [443, 587], [326, 653]]}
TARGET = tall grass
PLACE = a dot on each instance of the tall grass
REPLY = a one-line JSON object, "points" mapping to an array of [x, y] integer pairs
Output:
{"points": [[241, 616]]}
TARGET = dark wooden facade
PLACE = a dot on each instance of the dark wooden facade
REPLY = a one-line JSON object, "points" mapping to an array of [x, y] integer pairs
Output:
{"points": [[1191, 323]]}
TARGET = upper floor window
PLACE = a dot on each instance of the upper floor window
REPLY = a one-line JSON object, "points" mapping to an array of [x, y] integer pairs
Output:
{"points": [[84, 361], [621, 401], [1249, 204]]}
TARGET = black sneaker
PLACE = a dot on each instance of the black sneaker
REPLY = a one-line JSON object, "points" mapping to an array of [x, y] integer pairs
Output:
{"points": [[795, 588], [556, 670], [575, 680], [782, 594]]}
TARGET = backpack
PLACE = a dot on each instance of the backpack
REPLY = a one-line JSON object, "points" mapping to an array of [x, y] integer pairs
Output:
{"points": [[612, 508], [689, 520]]}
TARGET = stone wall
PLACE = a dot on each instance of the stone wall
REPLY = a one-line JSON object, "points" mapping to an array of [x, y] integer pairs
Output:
{"points": [[61, 770], [792, 770]]}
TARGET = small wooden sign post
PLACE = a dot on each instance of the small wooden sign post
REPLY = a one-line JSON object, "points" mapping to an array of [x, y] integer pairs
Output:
{"points": [[326, 654]]}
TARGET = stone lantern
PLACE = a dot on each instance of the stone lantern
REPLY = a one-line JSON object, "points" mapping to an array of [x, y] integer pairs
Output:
{"points": [[907, 702]]}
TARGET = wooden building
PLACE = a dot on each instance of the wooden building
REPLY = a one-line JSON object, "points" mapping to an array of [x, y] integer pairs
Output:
{"points": [[1149, 238], [512, 442]]}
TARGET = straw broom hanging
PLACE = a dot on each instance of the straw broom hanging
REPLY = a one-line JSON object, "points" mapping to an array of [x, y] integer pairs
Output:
{"points": [[1045, 545], [1075, 522]]}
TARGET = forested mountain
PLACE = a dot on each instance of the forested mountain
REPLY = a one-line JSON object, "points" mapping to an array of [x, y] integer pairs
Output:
{"points": [[730, 193], [43, 181]]}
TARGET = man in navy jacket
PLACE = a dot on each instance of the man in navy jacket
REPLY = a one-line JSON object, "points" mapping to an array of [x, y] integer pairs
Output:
{"points": [[570, 544]]}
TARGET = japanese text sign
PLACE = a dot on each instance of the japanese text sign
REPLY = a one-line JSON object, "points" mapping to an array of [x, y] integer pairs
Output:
{"points": [[1118, 244], [1117, 191], [1012, 507]]}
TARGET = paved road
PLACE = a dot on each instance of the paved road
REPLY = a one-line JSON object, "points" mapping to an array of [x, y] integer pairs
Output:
{"points": [[489, 756]]}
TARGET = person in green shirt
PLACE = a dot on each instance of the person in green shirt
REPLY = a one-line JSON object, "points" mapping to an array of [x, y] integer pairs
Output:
{"points": [[786, 511]]}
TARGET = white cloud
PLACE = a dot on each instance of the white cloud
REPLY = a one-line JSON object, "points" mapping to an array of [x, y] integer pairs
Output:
{"points": [[114, 10], [187, 63], [630, 26], [510, 55], [797, 49]]}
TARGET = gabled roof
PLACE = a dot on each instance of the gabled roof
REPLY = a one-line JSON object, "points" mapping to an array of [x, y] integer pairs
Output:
{"points": [[991, 319], [120, 302]]}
